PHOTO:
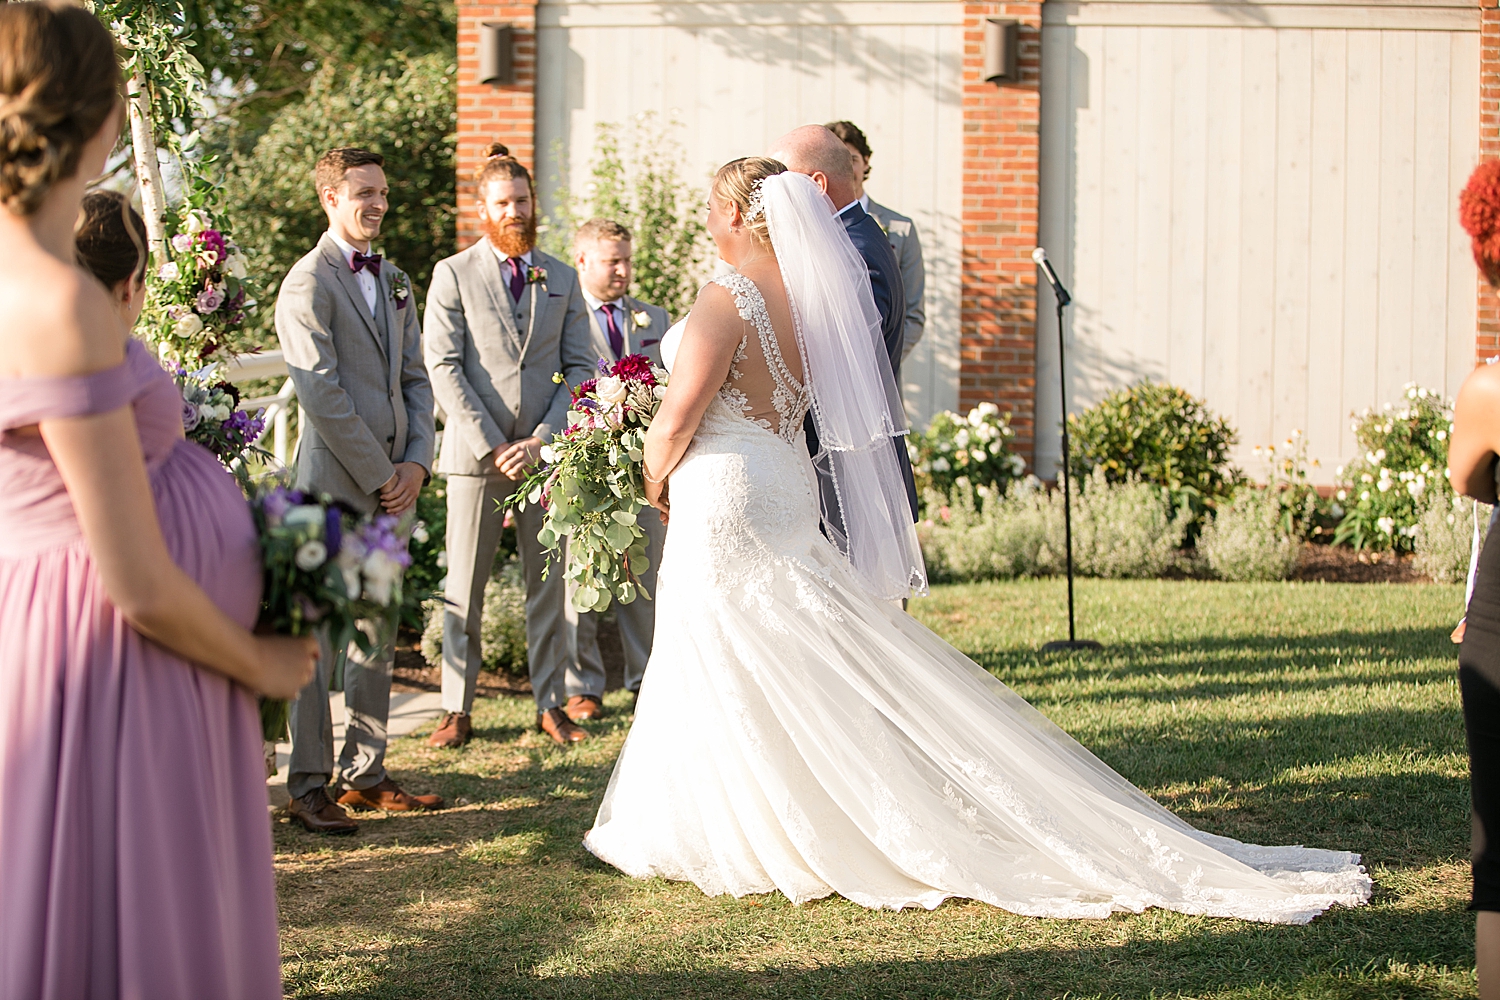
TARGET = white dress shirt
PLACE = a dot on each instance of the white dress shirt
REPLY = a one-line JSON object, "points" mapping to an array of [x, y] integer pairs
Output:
{"points": [[368, 285]]}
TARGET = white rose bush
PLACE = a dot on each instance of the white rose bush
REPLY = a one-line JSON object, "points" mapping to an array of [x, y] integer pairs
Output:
{"points": [[1384, 492], [592, 485], [324, 567], [973, 448]]}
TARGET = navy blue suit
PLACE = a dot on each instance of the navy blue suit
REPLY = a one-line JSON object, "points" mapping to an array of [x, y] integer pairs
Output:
{"points": [[890, 300]]}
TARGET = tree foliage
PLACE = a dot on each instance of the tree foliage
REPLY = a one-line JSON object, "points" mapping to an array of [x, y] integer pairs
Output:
{"points": [[405, 110], [269, 53]]}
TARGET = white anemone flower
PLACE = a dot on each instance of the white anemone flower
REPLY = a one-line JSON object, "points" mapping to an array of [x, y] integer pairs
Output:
{"points": [[310, 555]]}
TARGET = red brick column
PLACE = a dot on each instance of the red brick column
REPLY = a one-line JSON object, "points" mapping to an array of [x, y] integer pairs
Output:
{"points": [[998, 308], [489, 113], [1487, 334]]}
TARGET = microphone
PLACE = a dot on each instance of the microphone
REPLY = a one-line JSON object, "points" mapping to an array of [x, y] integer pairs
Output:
{"points": [[1040, 257]]}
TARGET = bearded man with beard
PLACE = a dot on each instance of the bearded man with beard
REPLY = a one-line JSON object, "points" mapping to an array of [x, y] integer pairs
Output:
{"points": [[501, 318]]}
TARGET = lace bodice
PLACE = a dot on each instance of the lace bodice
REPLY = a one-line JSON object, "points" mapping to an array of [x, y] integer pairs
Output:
{"points": [[760, 384]]}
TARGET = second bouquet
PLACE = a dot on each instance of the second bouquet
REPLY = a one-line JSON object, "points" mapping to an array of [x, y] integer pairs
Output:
{"points": [[325, 567], [592, 486]]}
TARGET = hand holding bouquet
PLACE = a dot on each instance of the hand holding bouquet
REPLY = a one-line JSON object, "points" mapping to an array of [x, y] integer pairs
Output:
{"points": [[592, 484], [324, 567]]}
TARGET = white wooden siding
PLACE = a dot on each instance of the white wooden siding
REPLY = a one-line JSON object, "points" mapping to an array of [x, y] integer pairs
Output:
{"points": [[738, 75], [1258, 203]]}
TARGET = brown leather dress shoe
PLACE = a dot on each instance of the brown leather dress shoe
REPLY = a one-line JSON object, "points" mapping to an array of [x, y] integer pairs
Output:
{"points": [[388, 797], [584, 706], [556, 724], [453, 731], [317, 814]]}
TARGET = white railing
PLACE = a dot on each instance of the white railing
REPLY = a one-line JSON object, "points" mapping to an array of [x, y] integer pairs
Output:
{"points": [[267, 364]]}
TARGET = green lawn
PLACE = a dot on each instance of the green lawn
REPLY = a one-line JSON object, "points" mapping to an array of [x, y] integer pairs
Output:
{"points": [[1275, 713]]}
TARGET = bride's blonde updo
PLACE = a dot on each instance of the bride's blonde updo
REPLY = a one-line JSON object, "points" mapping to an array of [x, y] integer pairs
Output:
{"points": [[738, 181], [59, 83]]}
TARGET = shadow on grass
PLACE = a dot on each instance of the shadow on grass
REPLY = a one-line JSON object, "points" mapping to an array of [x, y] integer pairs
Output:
{"points": [[1229, 666], [505, 934]]}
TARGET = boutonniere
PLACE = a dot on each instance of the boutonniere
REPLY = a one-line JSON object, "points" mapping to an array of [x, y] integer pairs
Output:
{"points": [[642, 319], [535, 274], [400, 290]]}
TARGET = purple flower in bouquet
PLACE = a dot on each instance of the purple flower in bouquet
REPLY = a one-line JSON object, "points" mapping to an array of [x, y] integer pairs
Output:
{"points": [[182, 242], [211, 242], [635, 368], [277, 502], [190, 417], [603, 367], [209, 299]]}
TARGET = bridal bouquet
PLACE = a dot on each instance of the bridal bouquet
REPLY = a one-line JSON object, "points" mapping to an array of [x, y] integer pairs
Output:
{"points": [[211, 415], [324, 567], [591, 482]]}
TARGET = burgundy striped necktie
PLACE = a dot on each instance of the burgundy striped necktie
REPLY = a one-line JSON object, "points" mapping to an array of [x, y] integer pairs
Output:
{"points": [[616, 340]]}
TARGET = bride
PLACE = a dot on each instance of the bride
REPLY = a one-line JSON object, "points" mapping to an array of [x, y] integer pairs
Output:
{"points": [[796, 730]]}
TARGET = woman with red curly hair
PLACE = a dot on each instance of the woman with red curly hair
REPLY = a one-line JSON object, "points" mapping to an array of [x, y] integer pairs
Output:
{"points": [[1472, 470]]}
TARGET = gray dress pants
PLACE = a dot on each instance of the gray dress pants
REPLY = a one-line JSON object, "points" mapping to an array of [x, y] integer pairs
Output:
{"points": [[367, 706], [475, 519], [637, 621]]}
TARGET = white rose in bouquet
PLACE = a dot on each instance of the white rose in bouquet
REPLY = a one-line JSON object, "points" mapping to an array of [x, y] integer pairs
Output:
{"points": [[236, 265], [611, 389], [188, 327]]}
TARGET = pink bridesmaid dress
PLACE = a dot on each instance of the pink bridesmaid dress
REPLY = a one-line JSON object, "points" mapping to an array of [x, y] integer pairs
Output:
{"points": [[135, 851]]}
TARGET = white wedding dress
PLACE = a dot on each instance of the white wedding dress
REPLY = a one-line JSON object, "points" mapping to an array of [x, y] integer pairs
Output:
{"points": [[795, 733]]}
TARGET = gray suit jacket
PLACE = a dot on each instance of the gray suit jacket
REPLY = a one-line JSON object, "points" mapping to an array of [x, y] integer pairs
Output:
{"points": [[492, 359], [902, 233], [361, 385], [638, 339]]}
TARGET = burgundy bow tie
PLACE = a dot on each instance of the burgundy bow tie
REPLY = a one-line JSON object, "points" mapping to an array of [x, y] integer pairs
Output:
{"points": [[363, 260]]}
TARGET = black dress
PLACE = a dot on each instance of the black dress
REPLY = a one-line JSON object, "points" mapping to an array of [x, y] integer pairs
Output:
{"points": [[1479, 682]]}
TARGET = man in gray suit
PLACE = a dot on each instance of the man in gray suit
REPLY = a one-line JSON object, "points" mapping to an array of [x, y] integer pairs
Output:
{"points": [[352, 345], [899, 230], [621, 325], [502, 318]]}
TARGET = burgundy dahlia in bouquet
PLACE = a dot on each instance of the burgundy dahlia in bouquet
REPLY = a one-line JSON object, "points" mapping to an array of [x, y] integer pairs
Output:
{"points": [[325, 567], [592, 485]]}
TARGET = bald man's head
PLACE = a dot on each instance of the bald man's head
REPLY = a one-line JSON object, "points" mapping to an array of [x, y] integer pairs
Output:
{"points": [[813, 150]]}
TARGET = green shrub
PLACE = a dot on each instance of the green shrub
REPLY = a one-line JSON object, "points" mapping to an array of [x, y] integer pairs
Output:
{"points": [[1445, 534], [1126, 529], [405, 110], [1159, 434], [1303, 512], [502, 627], [1405, 455], [637, 182], [1121, 529], [973, 448], [1249, 539], [982, 535]]}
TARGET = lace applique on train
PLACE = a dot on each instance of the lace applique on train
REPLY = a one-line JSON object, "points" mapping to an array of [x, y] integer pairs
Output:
{"points": [[789, 397]]}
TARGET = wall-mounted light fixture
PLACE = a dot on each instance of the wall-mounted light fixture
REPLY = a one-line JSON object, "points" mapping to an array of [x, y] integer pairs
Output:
{"points": [[1002, 40], [495, 64]]}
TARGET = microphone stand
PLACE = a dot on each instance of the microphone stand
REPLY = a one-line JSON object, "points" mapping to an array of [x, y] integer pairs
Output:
{"points": [[1072, 643]]}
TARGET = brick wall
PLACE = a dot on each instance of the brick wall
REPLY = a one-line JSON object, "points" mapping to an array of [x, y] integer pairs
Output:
{"points": [[489, 113], [1487, 336], [998, 308]]}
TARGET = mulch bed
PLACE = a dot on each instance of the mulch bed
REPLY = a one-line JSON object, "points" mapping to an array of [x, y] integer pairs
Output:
{"points": [[1341, 564]]}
